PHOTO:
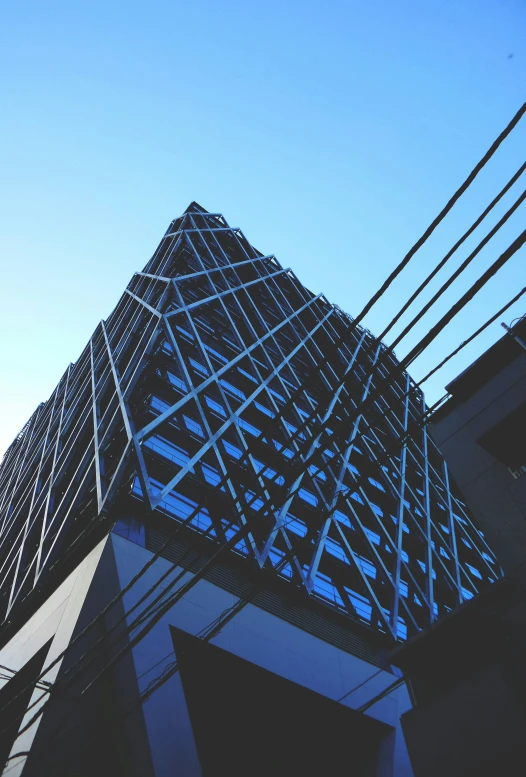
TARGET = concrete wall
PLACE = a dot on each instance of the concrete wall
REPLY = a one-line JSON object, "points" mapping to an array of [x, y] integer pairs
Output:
{"points": [[55, 621], [475, 728], [258, 637], [159, 732]]}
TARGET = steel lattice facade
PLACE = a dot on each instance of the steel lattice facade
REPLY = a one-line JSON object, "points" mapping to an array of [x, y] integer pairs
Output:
{"points": [[222, 394]]}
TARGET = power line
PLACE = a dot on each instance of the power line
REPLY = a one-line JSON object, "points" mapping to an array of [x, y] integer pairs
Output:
{"points": [[474, 335], [460, 269], [468, 296], [443, 213], [450, 253]]}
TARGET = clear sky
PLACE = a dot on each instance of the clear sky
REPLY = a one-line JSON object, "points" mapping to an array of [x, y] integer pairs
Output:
{"points": [[331, 132]]}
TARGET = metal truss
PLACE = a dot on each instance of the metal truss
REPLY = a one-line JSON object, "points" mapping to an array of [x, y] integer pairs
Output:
{"points": [[222, 393]]}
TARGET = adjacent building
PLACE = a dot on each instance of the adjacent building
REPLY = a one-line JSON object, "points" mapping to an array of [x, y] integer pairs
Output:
{"points": [[481, 430], [216, 529], [467, 679]]}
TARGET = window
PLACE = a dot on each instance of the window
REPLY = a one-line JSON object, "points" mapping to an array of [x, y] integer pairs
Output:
{"points": [[215, 406], [276, 558], [215, 353], [253, 430], [230, 531], [247, 375], [401, 628], [423, 567], [193, 426], [232, 450], [180, 506], [185, 334], [307, 496], [264, 409], [474, 571], [268, 472], [342, 518], [232, 390], [168, 450], [295, 525], [159, 404], [335, 549], [324, 588], [198, 367], [373, 536], [211, 475], [176, 381], [292, 429], [361, 604], [253, 501], [285, 451], [405, 528], [376, 484], [367, 566], [317, 473]]}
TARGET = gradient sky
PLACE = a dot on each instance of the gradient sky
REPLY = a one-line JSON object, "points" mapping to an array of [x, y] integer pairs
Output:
{"points": [[331, 132]]}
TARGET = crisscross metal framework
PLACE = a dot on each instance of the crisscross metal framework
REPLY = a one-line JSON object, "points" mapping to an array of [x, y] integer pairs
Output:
{"points": [[222, 393]]}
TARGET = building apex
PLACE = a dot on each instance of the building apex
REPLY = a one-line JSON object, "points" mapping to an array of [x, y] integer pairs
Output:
{"points": [[194, 207]]}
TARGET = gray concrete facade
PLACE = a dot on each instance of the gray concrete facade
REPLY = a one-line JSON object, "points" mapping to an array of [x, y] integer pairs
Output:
{"points": [[495, 496], [159, 732]]}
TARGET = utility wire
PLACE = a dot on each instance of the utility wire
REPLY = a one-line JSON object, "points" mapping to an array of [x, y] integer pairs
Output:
{"points": [[467, 297], [474, 335], [459, 270], [443, 213], [453, 250]]}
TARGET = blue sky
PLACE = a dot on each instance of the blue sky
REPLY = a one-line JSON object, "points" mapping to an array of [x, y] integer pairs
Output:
{"points": [[331, 133]]}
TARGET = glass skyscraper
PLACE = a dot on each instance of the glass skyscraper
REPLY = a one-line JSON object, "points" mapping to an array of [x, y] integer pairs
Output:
{"points": [[223, 396]]}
